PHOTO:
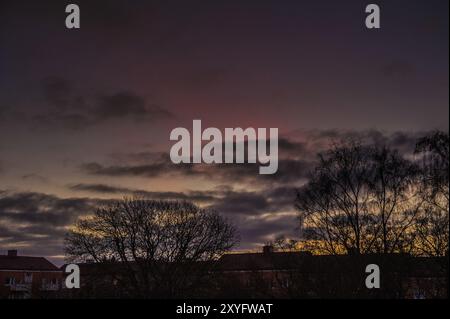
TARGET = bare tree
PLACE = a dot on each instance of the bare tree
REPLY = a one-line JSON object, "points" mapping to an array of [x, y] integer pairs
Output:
{"points": [[162, 248], [333, 205], [394, 201], [432, 226], [359, 199]]}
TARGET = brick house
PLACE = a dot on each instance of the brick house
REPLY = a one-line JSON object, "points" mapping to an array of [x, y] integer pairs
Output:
{"points": [[28, 277]]}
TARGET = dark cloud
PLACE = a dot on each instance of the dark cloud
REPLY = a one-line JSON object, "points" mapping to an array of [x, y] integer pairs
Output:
{"points": [[405, 142], [268, 200], [226, 201], [155, 169], [6, 233], [321, 140], [195, 196], [36, 223], [290, 147], [100, 188], [66, 109], [126, 104], [292, 166], [297, 159], [136, 157], [242, 203], [288, 171], [43, 209]]}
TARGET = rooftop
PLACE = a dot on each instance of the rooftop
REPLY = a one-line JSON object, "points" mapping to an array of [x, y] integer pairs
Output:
{"points": [[12, 261]]}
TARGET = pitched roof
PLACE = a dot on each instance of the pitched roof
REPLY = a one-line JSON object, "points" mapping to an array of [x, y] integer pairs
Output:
{"points": [[26, 263]]}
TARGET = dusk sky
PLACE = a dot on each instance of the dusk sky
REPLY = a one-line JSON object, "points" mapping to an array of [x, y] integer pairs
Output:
{"points": [[86, 114]]}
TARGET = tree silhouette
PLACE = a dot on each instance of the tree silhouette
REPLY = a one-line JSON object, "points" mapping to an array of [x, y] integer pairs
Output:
{"points": [[158, 248], [359, 199], [432, 226], [394, 202]]}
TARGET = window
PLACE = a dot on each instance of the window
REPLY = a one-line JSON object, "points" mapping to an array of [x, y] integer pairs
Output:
{"points": [[419, 294], [284, 282], [28, 279], [10, 281]]}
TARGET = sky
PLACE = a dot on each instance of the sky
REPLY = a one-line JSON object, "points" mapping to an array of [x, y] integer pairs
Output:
{"points": [[86, 114]]}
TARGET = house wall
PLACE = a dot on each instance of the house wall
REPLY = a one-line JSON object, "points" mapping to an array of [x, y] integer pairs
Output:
{"points": [[293, 284], [27, 284]]}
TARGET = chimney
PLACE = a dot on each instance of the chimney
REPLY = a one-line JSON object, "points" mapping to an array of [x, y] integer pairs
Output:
{"points": [[12, 253], [267, 249]]}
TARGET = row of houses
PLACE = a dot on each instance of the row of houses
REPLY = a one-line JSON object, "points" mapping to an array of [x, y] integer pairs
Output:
{"points": [[265, 274]]}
